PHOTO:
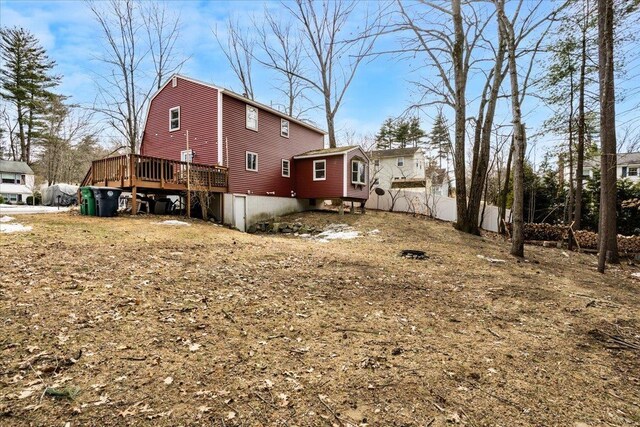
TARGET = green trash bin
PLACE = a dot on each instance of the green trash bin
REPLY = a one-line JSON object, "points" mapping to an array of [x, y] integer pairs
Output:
{"points": [[88, 206]]}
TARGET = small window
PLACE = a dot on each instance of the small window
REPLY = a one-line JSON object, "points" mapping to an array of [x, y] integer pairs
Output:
{"points": [[174, 82], [174, 119], [186, 156], [284, 128], [633, 171], [286, 169], [400, 161], [624, 171], [376, 162], [252, 161], [357, 172], [252, 118], [319, 170]]}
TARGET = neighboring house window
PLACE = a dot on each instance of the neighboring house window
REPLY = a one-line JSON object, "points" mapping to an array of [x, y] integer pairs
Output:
{"points": [[252, 118], [400, 161], [284, 128], [357, 172], [633, 171], [186, 156], [252, 161], [624, 171], [376, 162], [10, 178], [286, 170], [319, 170], [174, 119]]}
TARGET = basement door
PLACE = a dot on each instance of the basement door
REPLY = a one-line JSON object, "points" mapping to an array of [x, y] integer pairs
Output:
{"points": [[239, 212]]}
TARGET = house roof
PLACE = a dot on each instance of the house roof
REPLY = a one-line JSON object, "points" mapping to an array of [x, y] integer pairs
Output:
{"points": [[324, 152], [395, 152], [241, 98], [11, 166], [621, 160]]}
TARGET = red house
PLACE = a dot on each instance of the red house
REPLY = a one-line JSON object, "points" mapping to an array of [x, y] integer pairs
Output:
{"points": [[255, 161]]}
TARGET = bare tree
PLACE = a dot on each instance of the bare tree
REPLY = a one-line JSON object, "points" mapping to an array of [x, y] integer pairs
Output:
{"points": [[163, 31], [335, 54], [283, 53], [238, 49], [607, 233], [125, 90]]}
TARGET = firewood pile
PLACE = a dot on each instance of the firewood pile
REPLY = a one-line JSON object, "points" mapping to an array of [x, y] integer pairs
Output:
{"points": [[589, 240], [535, 231]]}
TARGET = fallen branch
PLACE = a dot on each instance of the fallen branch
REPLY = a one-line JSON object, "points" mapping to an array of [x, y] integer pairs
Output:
{"points": [[330, 410], [228, 316]]}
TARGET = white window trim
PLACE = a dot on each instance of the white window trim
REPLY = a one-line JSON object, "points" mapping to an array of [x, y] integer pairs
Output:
{"points": [[174, 82], [246, 157], [171, 110], [288, 168], [356, 162], [246, 117], [636, 169], [398, 162], [190, 156], [282, 121], [317, 162]]}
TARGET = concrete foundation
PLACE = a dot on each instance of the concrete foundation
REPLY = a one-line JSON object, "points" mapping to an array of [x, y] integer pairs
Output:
{"points": [[258, 208]]}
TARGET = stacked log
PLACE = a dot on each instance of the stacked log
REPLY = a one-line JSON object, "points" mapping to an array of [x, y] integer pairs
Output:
{"points": [[626, 244], [542, 231]]}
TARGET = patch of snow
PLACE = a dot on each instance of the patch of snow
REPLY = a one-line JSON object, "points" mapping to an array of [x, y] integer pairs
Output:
{"points": [[173, 222], [337, 232], [376, 231], [29, 209], [13, 228], [6, 218], [636, 275], [492, 260]]}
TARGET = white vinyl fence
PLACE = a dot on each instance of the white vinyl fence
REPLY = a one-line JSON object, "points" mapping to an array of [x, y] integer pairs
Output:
{"points": [[423, 203]]}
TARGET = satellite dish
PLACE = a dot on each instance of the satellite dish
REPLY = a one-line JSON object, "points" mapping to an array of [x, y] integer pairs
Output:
{"points": [[379, 191]]}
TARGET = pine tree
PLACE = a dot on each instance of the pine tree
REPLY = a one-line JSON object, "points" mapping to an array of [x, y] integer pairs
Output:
{"points": [[439, 138], [415, 132], [386, 136], [26, 83]]}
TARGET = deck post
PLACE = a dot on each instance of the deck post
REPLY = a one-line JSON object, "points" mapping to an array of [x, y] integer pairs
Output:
{"points": [[134, 200], [353, 209], [162, 173], [340, 206], [363, 210], [188, 204]]}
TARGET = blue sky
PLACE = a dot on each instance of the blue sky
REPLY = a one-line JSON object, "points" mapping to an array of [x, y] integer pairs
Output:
{"points": [[381, 89]]}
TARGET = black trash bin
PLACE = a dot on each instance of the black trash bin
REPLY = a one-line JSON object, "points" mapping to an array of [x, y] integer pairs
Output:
{"points": [[106, 200]]}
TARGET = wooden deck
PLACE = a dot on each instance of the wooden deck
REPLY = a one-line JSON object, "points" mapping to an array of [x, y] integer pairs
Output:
{"points": [[133, 171]]}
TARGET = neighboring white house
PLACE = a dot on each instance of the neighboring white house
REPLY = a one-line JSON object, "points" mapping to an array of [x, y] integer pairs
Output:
{"points": [[628, 166], [17, 181], [397, 167]]}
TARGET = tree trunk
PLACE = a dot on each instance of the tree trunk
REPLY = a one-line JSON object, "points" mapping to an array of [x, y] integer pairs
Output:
{"points": [[607, 233], [581, 123], [571, 163], [505, 190], [517, 238], [460, 117]]}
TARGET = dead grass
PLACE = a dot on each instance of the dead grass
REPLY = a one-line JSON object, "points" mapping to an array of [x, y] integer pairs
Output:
{"points": [[200, 325]]}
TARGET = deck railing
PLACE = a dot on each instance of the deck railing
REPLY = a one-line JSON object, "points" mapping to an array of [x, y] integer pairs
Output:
{"points": [[155, 172]]}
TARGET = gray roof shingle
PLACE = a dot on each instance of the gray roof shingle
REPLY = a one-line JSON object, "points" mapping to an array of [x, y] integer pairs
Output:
{"points": [[10, 166]]}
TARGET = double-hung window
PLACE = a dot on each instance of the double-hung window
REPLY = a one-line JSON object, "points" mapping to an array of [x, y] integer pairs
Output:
{"points": [[400, 161], [357, 172], [284, 128], [174, 119], [252, 118], [319, 170], [252, 161], [286, 168], [633, 171]]}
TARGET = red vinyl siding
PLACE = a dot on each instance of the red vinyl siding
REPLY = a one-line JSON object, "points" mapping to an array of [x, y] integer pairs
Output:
{"points": [[357, 191], [198, 114], [330, 188], [270, 147]]}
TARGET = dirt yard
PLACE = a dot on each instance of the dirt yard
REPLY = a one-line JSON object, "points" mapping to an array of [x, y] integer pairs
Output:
{"points": [[124, 321]]}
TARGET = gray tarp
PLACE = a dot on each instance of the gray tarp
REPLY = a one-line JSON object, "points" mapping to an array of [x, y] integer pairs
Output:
{"points": [[68, 195]]}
